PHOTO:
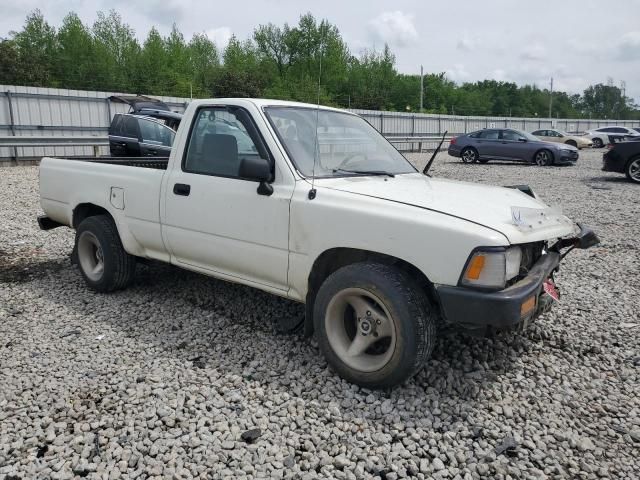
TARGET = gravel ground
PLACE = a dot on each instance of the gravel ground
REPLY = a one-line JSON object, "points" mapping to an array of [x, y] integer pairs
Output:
{"points": [[170, 378]]}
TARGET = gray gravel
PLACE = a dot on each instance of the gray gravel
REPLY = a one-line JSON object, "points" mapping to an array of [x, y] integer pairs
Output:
{"points": [[164, 379]]}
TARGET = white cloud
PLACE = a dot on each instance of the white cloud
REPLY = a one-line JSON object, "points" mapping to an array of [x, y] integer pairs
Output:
{"points": [[535, 52], [499, 74], [458, 73], [220, 36], [466, 43], [395, 28], [629, 47]]}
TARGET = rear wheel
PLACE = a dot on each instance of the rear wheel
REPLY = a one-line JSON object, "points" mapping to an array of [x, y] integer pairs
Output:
{"points": [[374, 325], [103, 262], [597, 143], [632, 170], [469, 155], [543, 158]]}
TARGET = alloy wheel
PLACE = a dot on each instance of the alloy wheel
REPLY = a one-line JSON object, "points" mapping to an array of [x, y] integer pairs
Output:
{"points": [[360, 329]]}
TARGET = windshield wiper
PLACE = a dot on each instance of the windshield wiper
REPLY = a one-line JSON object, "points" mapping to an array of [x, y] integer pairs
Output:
{"points": [[365, 172]]}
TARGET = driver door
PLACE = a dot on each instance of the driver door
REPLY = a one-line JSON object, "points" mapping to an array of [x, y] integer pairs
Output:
{"points": [[214, 220]]}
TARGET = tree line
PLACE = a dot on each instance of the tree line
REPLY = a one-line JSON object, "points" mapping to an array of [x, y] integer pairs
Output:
{"points": [[306, 62]]}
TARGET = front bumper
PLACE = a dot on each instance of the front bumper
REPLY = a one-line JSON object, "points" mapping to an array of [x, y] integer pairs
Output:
{"points": [[511, 307], [567, 157]]}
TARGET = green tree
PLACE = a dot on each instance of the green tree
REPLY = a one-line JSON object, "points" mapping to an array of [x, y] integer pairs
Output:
{"points": [[36, 44]]}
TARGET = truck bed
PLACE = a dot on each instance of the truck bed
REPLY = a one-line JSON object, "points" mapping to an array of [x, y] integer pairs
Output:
{"points": [[158, 163]]}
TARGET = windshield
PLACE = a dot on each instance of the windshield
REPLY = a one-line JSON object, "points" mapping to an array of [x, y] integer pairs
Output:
{"points": [[346, 145]]}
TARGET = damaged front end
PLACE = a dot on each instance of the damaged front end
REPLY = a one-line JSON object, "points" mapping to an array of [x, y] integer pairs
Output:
{"points": [[531, 293]]}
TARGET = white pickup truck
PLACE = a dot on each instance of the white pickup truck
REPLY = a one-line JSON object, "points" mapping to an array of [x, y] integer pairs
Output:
{"points": [[313, 204]]}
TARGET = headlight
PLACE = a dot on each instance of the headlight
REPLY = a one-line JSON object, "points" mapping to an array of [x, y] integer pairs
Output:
{"points": [[492, 268]]}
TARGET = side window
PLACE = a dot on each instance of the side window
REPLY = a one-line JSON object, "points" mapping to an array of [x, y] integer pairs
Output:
{"points": [[130, 127], [607, 130], [155, 133], [510, 135], [489, 134], [619, 130], [116, 125], [220, 138]]}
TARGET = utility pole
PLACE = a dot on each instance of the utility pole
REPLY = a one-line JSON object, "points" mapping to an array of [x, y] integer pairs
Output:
{"points": [[550, 97], [421, 89]]}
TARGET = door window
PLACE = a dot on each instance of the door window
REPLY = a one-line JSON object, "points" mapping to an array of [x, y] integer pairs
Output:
{"points": [[489, 134], [511, 135], [155, 133], [220, 138], [130, 127]]}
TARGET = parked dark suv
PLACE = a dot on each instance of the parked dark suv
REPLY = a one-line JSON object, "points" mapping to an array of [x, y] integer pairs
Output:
{"points": [[509, 144], [133, 135], [147, 131]]}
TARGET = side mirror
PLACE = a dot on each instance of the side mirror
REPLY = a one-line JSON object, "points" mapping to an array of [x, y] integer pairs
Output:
{"points": [[522, 139], [258, 169]]}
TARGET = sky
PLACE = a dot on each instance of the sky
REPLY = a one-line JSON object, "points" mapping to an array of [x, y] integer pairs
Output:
{"points": [[577, 42]]}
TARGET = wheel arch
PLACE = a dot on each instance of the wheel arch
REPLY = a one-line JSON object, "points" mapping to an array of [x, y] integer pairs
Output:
{"points": [[85, 210], [333, 259]]}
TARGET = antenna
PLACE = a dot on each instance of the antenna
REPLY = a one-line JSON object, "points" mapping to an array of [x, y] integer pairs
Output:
{"points": [[316, 147]]}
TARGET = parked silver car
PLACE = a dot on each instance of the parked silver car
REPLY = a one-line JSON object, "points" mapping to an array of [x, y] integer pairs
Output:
{"points": [[508, 144]]}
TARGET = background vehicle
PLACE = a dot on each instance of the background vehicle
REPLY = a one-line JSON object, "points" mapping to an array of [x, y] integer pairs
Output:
{"points": [[321, 209], [605, 135], [507, 144], [623, 157], [136, 135], [558, 136]]}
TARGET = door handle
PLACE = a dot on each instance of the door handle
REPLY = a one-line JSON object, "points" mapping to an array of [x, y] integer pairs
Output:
{"points": [[182, 189]]}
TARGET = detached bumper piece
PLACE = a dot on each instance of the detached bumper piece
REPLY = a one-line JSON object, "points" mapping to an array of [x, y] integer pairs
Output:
{"points": [[517, 305], [46, 223]]}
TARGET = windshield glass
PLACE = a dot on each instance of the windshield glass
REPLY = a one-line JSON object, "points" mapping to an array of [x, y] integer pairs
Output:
{"points": [[346, 145]]}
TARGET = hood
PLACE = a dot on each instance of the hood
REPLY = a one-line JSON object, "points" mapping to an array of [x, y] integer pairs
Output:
{"points": [[516, 215]]}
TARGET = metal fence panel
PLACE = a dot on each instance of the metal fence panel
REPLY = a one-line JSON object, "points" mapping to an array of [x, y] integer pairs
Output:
{"points": [[35, 111]]}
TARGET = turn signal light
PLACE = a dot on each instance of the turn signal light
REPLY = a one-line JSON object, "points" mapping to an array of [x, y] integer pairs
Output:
{"points": [[527, 306], [475, 267]]}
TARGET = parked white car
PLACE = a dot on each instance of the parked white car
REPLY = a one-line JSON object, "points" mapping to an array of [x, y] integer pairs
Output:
{"points": [[605, 135], [321, 210]]}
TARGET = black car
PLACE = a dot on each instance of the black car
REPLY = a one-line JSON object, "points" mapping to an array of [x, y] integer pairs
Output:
{"points": [[135, 135], [623, 157], [148, 130]]}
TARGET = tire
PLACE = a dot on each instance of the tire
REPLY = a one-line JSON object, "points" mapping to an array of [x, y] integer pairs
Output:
{"points": [[632, 169], [597, 143], [391, 330], [573, 143], [543, 158], [469, 155], [103, 262]]}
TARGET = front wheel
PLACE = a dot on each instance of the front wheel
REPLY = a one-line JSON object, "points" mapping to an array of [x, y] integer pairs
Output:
{"points": [[103, 262], [632, 170], [573, 143], [597, 143], [543, 158], [374, 325]]}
